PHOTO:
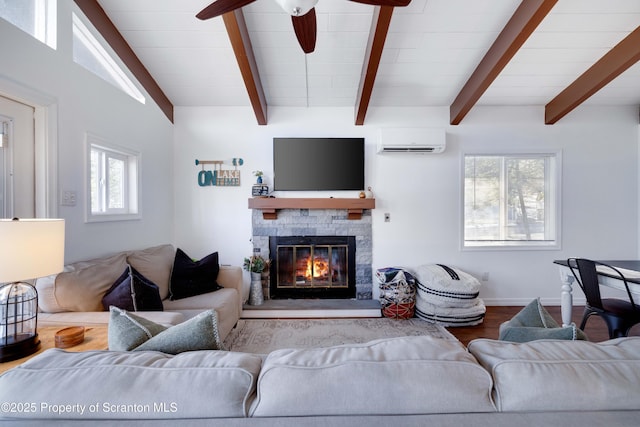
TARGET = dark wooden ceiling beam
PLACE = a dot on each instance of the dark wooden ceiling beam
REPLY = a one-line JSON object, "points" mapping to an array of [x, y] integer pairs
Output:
{"points": [[523, 22], [241, 43], [377, 36], [611, 65], [94, 12]]}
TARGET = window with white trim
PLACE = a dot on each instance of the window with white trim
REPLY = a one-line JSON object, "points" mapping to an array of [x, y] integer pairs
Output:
{"points": [[511, 201], [113, 182], [35, 17], [92, 55]]}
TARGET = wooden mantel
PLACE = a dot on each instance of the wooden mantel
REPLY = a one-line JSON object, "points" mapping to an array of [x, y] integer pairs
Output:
{"points": [[270, 205]]}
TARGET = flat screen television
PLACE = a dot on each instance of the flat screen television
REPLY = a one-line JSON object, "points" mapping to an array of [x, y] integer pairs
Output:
{"points": [[318, 164]]}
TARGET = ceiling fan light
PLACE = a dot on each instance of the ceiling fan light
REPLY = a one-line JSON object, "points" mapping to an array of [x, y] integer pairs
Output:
{"points": [[297, 7]]}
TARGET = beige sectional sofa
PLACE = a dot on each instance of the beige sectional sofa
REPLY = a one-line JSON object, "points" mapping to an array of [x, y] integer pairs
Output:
{"points": [[407, 381], [74, 296]]}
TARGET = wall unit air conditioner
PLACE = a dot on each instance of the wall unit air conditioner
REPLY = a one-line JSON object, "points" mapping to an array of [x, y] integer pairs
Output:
{"points": [[412, 140]]}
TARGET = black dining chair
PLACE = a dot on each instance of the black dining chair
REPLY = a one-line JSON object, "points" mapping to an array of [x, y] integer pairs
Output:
{"points": [[618, 314]]}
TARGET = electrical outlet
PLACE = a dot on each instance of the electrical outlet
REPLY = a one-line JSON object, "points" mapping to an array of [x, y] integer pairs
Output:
{"points": [[387, 217], [69, 198]]}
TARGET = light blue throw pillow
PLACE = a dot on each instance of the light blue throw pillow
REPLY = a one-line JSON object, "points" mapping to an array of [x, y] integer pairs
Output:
{"points": [[127, 331], [534, 322], [197, 333]]}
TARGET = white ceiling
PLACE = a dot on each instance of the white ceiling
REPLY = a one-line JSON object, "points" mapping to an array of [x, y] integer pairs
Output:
{"points": [[432, 48]]}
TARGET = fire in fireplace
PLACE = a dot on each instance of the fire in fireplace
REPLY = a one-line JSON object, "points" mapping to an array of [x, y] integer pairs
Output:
{"points": [[312, 267]]}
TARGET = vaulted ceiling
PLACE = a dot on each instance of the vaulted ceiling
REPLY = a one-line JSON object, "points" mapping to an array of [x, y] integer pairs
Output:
{"points": [[556, 54]]}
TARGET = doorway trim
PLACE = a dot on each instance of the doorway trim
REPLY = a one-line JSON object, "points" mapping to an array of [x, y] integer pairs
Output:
{"points": [[46, 143]]}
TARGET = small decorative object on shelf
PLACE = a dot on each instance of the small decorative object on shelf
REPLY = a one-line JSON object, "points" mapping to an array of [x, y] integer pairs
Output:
{"points": [[369, 193], [260, 190], [362, 195], [258, 175]]}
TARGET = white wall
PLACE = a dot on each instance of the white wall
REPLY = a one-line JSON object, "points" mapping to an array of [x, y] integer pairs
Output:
{"points": [[422, 192], [85, 103]]}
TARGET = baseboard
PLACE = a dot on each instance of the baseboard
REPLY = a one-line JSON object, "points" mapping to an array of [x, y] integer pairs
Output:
{"points": [[525, 301]]}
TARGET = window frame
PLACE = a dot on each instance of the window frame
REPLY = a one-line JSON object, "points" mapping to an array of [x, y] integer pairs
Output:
{"points": [[45, 22], [92, 40], [553, 185], [131, 187], [46, 27]]}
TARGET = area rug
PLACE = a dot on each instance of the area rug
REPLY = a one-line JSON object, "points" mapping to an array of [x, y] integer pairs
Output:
{"points": [[265, 335]]}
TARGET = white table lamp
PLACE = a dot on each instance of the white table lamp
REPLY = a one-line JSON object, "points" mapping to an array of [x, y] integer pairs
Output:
{"points": [[29, 248]]}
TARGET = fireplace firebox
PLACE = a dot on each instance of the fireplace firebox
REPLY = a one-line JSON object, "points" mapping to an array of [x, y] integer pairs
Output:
{"points": [[312, 267]]}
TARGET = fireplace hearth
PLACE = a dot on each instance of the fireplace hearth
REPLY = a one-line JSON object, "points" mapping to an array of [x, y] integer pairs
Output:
{"points": [[312, 267]]}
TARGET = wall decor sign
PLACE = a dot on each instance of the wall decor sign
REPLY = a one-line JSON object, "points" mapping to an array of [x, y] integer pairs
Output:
{"points": [[219, 176]]}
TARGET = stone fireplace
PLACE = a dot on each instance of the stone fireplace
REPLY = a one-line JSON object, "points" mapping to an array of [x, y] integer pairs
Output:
{"points": [[302, 232]]}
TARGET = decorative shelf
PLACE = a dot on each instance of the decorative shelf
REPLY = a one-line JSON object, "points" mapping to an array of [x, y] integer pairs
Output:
{"points": [[270, 205]]}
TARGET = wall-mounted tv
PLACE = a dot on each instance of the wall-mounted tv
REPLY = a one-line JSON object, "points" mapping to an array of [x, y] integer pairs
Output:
{"points": [[318, 164]]}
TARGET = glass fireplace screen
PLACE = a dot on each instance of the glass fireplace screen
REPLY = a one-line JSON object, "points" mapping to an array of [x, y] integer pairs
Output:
{"points": [[312, 266]]}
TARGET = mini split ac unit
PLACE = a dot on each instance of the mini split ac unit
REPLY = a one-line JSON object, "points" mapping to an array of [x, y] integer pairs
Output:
{"points": [[412, 140]]}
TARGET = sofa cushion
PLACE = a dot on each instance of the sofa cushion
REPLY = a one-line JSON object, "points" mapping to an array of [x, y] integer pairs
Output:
{"points": [[223, 301], [154, 263], [554, 375], [81, 286], [534, 322], [46, 287], [406, 375], [190, 278], [134, 292], [126, 385]]}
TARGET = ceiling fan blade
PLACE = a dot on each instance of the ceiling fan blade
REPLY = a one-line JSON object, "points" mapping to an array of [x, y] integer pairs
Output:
{"points": [[220, 7], [305, 29], [394, 3]]}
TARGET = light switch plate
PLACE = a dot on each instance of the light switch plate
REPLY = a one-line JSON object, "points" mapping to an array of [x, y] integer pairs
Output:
{"points": [[69, 198]]}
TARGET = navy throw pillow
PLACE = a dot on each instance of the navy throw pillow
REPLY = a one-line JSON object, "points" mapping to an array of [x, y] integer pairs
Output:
{"points": [[133, 292], [190, 278]]}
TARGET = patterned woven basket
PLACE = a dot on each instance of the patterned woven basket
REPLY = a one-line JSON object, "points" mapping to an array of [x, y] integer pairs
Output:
{"points": [[399, 311], [397, 293]]}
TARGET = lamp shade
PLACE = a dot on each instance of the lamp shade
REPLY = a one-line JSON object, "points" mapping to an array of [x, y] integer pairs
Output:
{"points": [[30, 248]]}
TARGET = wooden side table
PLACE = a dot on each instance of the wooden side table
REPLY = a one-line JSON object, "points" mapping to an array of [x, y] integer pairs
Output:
{"points": [[95, 338]]}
